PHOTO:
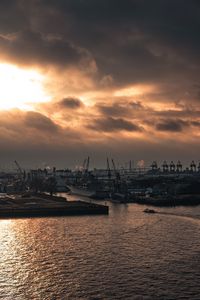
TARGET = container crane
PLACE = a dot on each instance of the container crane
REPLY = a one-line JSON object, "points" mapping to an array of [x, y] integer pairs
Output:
{"points": [[108, 168], [87, 164], [19, 169], [22, 176], [172, 167], [165, 166], [193, 166], [154, 166], [179, 166], [84, 164], [117, 175]]}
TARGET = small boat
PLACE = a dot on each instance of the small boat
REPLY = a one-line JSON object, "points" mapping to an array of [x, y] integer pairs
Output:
{"points": [[149, 211], [3, 195]]}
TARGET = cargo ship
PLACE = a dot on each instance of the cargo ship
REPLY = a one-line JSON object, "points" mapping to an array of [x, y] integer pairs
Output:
{"points": [[84, 191], [81, 191]]}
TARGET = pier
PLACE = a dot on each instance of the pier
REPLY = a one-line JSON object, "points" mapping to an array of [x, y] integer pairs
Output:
{"points": [[16, 206]]}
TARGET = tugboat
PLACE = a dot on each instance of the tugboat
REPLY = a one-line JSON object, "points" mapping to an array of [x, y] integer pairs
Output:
{"points": [[149, 211]]}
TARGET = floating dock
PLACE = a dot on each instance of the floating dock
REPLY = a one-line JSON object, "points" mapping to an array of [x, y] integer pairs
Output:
{"points": [[44, 205]]}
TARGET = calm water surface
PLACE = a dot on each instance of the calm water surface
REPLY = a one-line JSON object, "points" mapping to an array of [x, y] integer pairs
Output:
{"points": [[126, 255]]}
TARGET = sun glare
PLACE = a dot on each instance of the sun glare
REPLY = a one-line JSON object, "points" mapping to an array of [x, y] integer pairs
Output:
{"points": [[20, 88]]}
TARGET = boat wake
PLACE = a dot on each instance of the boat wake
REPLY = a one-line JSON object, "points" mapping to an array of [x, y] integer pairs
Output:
{"points": [[185, 216]]}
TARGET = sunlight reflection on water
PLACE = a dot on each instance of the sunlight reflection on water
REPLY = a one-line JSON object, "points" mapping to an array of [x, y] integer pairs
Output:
{"points": [[125, 255]]}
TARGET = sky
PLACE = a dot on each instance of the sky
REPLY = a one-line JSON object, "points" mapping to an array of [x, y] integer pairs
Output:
{"points": [[98, 78]]}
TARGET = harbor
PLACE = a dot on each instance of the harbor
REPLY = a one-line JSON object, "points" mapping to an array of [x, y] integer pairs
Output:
{"points": [[169, 184]]}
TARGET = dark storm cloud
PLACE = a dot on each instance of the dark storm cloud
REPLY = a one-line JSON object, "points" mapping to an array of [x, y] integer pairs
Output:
{"points": [[71, 103], [172, 113], [29, 47], [33, 128], [38, 142], [171, 125], [115, 110], [12, 17], [131, 40], [122, 43], [113, 124], [135, 40], [195, 123], [123, 109], [40, 122]]}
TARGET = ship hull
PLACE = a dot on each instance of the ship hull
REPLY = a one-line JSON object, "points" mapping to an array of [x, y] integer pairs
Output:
{"points": [[80, 191]]}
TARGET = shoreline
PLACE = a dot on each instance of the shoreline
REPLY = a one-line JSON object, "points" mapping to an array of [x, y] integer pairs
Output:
{"points": [[170, 201]]}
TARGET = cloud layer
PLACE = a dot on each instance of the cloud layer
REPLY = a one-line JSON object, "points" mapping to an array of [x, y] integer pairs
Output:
{"points": [[123, 78]]}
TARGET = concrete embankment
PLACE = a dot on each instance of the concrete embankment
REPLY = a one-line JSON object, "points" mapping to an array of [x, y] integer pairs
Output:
{"points": [[178, 200], [42, 205]]}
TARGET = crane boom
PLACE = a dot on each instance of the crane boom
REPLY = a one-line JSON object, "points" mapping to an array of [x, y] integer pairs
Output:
{"points": [[108, 168], [88, 163], [84, 163], [18, 167], [117, 175], [114, 168]]}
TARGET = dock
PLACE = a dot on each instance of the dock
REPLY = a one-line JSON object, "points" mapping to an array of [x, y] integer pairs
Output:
{"points": [[17, 206]]}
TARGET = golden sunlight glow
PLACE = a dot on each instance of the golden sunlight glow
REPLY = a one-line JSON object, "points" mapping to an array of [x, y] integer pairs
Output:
{"points": [[20, 88], [134, 90]]}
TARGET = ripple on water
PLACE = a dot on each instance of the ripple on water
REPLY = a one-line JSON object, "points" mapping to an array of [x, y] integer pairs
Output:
{"points": [[126, 255]]}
